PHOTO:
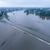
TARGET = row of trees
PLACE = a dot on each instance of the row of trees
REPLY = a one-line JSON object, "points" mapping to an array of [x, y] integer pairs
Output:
{"points": [[43, 13]]}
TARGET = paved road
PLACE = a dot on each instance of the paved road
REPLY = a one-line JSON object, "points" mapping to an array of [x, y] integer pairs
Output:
{"points": [[10, 38], [15, 38]]}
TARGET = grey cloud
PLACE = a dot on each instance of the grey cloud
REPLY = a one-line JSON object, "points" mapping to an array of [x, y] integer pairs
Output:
{"points": [[26, 3]]}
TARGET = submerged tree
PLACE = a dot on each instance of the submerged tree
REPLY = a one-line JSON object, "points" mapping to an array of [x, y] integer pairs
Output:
{"points": [[3, 14], [42, 13]]}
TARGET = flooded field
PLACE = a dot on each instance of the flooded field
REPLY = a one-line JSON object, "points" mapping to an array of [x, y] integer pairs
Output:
{"points": [[21, 24]]}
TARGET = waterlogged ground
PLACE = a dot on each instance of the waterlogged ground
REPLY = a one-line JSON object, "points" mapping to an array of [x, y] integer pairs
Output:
{"points": [[24, 32], [30, 21]]}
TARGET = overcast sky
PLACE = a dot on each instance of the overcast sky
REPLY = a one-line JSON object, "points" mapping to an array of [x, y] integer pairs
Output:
{"points": [[24, 3]]}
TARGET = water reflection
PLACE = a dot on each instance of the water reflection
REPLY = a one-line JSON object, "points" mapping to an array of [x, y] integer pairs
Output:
{"points": [[45, 17], [42, 13]]}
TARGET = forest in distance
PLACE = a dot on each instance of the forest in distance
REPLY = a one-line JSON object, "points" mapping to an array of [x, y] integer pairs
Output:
{"points": [[43, 13]]}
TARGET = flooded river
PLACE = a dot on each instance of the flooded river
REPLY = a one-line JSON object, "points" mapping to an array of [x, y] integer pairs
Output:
{"points": [[29, 22]]}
